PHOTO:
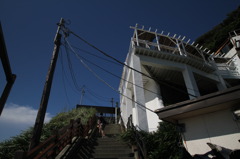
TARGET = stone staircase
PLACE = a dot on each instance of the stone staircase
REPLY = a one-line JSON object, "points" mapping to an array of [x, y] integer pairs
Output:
{"points": [[111, 147]]}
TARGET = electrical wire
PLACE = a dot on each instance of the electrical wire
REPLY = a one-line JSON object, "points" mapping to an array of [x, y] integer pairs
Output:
{"points": [[97, 95], [87, 52], [72, 72], [73, 77], [64, 85], [90, 98], [115, 75], [161, 82], [99, 78], [105, 99]]}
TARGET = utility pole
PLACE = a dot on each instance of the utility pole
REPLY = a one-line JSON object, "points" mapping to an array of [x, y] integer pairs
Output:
{"points": [[116, 112], [112, 106], [83, 92], [37, 130], [112, 101]]}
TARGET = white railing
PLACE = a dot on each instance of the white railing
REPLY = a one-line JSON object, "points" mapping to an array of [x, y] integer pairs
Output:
{"points": [[226, 70], [164, 48], [234, 33]]}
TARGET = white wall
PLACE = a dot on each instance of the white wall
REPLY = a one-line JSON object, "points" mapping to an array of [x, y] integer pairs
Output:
{"points": [[217, 128], [141, 115], [153, 102]]}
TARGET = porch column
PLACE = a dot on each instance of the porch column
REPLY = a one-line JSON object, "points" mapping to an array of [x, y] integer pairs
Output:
{"points": [[190, 82], [129, 103], [141, 116]]}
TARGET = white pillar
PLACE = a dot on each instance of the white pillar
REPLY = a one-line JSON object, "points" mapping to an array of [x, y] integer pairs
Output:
{"points": [[221, 84], [116, 114], [190, 82], [153, 102], [157, 39], [141, 116], [129, 103], [179, 49]]}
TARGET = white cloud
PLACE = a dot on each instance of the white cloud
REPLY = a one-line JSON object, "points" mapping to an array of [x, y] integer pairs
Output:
{"points": [[16, 118], [14, 113]]}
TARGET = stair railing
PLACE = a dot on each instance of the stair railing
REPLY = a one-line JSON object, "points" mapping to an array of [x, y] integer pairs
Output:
{"points": [[138, 138], [51, 147]]}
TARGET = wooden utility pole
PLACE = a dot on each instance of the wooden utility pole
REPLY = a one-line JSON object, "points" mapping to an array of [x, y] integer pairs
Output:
{"points": [[37, 130], [83, 92], [116, 112], [112, 101]]}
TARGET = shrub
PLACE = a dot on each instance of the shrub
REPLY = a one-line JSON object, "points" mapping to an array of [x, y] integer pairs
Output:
{"points": [[21, 141], [162, 144]]}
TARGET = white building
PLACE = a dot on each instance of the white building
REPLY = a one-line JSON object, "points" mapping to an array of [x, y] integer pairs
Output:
{"points": [[172, 70]]}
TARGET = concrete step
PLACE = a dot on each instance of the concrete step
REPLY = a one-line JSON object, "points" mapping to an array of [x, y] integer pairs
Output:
{"points": [[109, 138], [116, 151], [112, 129], [111, 155], [115, 158], [112, 148], [104, 141]]}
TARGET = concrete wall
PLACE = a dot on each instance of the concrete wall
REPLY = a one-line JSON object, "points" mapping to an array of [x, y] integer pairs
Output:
{"points": [[126, 106], [153, 102], [142, 118], [218, 128]]}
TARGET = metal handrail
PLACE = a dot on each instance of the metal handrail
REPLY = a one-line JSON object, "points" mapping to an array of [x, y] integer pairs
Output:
{"points": [[137, 136]]}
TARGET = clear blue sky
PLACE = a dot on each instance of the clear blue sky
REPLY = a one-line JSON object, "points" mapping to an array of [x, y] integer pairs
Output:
{"points": [[30, 26]]}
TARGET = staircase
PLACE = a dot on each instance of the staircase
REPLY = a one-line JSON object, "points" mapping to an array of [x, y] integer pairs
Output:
{"points": [[111, 147]]}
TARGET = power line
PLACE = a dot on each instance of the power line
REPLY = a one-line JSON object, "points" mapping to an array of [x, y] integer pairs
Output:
{"points": [[75, 81], [72, 72], [97, 96], [64, 85], [68, 81], [99, 78], [87, 52], [115, 74], [161, 82]]}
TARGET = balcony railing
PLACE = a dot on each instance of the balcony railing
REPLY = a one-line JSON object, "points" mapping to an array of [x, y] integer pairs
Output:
{"points": [[164, 48], [226, 70]]}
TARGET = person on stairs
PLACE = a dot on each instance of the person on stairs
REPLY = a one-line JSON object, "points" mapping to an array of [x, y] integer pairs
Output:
{"points": [[101, 124]]}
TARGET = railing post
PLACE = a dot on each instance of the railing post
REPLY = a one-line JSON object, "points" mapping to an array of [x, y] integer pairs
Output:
{"points": [[71, 131], [78, 127], [56, 148], [20, 154]]}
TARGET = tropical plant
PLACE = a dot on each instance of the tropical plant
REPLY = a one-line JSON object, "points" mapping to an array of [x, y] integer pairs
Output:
{"points": [[161, 144]]}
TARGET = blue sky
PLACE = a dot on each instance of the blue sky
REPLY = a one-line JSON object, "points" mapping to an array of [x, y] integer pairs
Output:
{"points": [[29, 29]]}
